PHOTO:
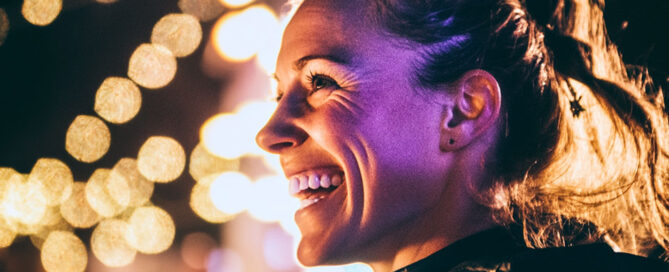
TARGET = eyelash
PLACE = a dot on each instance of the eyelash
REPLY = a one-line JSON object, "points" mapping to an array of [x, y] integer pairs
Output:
{"points": [[311, 80]]}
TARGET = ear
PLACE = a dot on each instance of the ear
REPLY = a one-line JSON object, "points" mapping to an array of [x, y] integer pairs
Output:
{"points": [[475, 107]]}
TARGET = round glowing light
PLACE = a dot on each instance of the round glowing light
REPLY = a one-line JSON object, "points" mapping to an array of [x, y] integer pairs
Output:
{"points": [[230, 192], [235, 3], [161, 159], [278, 249], [180, 33], [195, 249], [127, 186], [232, 135], [106, 1], [38, 237], [151, 230], [272, 200], [238, 36], [76, 210], [54, 177], [98, 197], [203, 163], [4, 25], [41, 12], [152, 66], [118, 100], [268, 53], [7, 234], [87, 139], [63, 251], [109, 245], [52, 217], [202, 204], [23, 201], [204, 10]]}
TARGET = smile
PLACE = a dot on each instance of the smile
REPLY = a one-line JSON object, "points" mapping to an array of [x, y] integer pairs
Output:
{"points": [[314, 185]]}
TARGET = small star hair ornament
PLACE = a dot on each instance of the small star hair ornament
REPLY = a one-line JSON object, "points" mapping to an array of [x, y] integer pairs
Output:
{"points": [[575, 102]]}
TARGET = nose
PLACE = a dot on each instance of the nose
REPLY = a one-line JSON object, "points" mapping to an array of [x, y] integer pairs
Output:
{"points": [[281, 131]]}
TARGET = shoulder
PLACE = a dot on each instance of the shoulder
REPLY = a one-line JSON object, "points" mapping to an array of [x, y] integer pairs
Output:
{"points": [[591, 258]]}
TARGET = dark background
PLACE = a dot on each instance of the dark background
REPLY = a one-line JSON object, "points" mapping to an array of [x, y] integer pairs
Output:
{"points": [[49, 75]]}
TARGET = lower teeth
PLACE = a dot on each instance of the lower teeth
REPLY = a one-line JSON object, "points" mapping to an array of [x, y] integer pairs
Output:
{"points": [[308, 202]]}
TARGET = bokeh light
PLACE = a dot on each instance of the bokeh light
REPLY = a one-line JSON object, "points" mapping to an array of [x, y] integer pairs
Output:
{"points": [[118, 100], [202, 204], [23, 201], [233, 135], [54, 177], [230, 192], [41, 12], [278, 249], [203, 163], [109, 245], [76, 210], [235, 3], [161, 159], [238, 36], [7, 234], [195, 249], [152, 66], [204, 10], [41, 234], [150, 230], [127, 186], [272, 202], [225, 260], [4, 25], [180, 33], [87, 139], [63, 251], [97, 195]]}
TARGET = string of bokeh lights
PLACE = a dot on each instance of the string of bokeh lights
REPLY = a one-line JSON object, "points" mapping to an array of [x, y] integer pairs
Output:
{"points": [[47, 204]]}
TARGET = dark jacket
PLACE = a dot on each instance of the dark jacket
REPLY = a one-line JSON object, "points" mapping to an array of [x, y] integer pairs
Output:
{"points": [[495, 250]]}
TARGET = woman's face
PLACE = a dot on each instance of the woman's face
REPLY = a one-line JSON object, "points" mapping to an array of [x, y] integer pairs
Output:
{"points": [[348, 108]]}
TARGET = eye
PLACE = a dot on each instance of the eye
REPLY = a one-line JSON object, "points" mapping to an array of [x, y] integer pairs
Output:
{"points": [[320, 81]]}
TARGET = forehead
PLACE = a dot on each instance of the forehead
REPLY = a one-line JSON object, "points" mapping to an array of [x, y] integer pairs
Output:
{"points": [[322, 27]]}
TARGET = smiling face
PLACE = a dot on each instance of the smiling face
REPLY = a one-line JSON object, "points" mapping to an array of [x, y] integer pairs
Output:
{"points": [[349, 112]]}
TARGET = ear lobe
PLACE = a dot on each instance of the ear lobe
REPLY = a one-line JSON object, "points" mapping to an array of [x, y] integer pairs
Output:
{"points": [[476, 107]]}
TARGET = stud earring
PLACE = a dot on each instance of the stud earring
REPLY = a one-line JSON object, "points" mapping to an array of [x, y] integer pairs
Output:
{"points": [[451, 141]]}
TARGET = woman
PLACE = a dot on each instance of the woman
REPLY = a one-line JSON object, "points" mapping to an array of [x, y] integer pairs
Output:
{"points": [[462, 135]]}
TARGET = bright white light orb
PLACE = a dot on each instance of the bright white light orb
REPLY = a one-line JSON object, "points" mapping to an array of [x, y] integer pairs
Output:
{"points": [[230, 192], [238, 36], [271, 201]]}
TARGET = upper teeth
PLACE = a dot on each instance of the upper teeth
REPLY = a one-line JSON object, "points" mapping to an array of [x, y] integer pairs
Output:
{"points": [[301, 182]]}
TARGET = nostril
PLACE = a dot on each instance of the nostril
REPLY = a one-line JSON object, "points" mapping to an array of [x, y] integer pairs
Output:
{"points": [[280, 146]]}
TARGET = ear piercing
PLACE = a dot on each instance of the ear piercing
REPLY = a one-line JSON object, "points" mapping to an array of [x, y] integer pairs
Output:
{"points": [[451, 141]]}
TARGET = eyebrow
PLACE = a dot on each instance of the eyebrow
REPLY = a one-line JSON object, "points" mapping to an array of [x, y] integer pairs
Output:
{"points": [[300, 63]]}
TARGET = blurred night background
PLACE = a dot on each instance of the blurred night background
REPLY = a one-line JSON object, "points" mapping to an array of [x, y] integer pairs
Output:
{"points": [[50, 74]]}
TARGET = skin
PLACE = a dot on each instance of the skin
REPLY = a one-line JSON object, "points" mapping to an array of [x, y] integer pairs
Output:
{"points": [[408, 188]]}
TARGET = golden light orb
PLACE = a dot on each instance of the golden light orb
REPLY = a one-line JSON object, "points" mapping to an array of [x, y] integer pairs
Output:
{"points": [[236, 3], [238, 36], [109, 245], [41, 12], [180, 33], [152, 66], [98, 197], [7, 234], [151, 230], [204, 10], [4, 25], [87, 139], [161, 159], [23, 202], [118, 100], [231, 192], [63, 251], [51, 216], [54, 177], [38, 237], [231, 135], [76, 210], [127, 186], [273, 202], [203, 206], [203, 163]]}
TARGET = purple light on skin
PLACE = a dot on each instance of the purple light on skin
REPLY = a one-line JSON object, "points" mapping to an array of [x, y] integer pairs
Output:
{"points": [[224, 260], [278, 249]]}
